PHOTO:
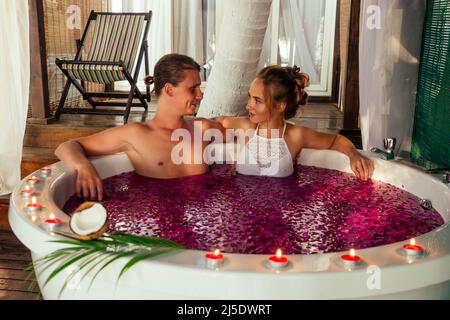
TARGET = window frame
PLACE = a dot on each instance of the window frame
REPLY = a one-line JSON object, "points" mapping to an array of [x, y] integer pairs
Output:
{"points": [[324, 90]]}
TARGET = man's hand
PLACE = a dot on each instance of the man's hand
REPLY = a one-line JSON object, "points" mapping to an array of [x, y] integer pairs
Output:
{"points": [[89, 185], [361, 166]]}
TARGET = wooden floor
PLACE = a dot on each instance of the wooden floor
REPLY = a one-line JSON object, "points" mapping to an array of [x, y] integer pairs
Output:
{"points": [[39, 145], [14, 257]]}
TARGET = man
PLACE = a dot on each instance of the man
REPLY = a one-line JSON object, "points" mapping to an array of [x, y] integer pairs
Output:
{"points": [[149, 146]]}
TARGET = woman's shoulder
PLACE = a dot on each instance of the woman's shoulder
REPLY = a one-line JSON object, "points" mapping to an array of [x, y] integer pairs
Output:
{"points": [[293, 129], [295, 133]]}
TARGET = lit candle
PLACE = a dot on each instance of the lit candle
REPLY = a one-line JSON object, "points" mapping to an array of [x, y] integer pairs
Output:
{"points": [[46, 172], [412, 249], [214, 259], [27, 192], [33, 206], [278, 261], [351, 260], [33, 180], [52, 223]]}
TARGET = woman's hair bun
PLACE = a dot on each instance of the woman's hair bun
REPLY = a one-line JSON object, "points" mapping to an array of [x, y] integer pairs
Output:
{"points": [[302, 79]]}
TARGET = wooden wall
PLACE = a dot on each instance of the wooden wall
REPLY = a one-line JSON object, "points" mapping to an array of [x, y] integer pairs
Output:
{"points": [[345, 6], [60, 38]]}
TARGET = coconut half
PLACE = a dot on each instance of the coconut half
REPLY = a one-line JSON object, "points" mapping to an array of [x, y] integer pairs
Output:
{"points": [[89, 221]]}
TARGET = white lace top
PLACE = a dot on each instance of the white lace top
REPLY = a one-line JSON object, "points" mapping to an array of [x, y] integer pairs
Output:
{"points": [[265, 157]]}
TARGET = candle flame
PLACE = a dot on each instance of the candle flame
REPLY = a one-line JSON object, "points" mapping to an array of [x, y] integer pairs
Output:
{"points": [[279, 254], [52, 216], [27, 188], [217, 252], [352, 253], [33, 218], [412, 242], [33, 200]]}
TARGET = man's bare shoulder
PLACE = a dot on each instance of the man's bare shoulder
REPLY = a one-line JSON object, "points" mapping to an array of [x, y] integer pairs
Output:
{"points": [[112, 140], [138, 128], [133, 131], [238, 123], [205, 123]]}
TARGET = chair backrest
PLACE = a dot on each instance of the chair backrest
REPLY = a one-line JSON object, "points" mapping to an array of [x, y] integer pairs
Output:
{"points": [[117, 38]]}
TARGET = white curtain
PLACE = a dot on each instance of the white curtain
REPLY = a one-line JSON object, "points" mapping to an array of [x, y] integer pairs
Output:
{"points": [[176, 27], [389, 65], [14, 89], [159, 38], [210, 12], [188, 29], [301, 36]]}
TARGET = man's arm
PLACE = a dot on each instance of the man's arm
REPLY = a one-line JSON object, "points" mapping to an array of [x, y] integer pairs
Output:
{"points": [[234, 122], [75, 153]]}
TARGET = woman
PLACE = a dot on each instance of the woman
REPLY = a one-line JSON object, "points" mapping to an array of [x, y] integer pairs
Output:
{"points": [[274, 145]]}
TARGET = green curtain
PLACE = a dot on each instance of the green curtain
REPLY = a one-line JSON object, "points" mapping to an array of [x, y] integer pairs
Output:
{"points": [[431, 137]]}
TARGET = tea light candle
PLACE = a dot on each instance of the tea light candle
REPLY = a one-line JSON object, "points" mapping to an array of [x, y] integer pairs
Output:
{"points": [[351, 260], [412, 249], [52, 223], [46, 172], [33, 180], [27, 192], [214, 260], [278, 261], [33, 206]]}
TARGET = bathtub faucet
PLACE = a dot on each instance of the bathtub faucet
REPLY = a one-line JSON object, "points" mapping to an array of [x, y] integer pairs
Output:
{"points": [[446, 178], [389, 146]]}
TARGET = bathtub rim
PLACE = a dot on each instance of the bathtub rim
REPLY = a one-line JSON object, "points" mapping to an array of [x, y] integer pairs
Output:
{"points": [[36, 240]]}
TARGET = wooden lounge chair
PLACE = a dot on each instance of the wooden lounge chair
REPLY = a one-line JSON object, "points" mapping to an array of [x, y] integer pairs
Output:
{"points": [[119, 44]]}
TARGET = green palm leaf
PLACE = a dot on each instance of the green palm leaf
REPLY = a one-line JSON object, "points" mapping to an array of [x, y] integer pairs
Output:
{"points": [[110, 261], [140, 257], [68, 263], [85, 255]]}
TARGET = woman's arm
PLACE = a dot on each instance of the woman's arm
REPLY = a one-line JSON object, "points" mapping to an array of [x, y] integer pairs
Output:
{"points": [[361, 166], [234, 122], [233, 127]]}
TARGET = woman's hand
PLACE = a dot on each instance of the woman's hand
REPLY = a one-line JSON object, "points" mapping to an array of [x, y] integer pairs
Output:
{"points": [[89, 184], [361, 166]]}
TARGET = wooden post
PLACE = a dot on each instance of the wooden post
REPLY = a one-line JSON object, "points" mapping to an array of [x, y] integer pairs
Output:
{"points": [[351, 107], [39, 94]]}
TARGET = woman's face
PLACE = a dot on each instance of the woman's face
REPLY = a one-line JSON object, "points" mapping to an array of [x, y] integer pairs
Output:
{"points": [[256, 106]]}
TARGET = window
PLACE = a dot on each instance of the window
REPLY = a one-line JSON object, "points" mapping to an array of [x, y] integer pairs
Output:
{"points": [[300, 32]]}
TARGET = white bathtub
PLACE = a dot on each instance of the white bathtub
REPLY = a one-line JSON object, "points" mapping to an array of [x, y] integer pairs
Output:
{"points": [[387, 273]]}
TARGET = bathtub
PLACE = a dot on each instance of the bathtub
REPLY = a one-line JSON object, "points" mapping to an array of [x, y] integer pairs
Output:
{"points": [[387, 273]]}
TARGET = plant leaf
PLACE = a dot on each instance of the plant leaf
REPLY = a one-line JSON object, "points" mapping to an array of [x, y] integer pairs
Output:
{"points": [[68, 263], [117, 257], [140, 257], [118, 245]]}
